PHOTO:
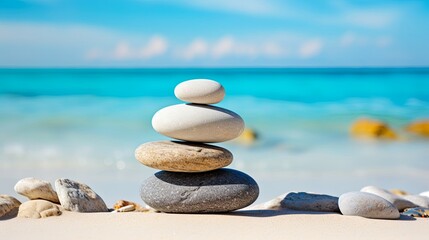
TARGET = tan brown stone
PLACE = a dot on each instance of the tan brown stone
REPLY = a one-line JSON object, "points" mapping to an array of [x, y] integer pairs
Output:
{"points": [[178, 156], [8, 204], [38, 209]]}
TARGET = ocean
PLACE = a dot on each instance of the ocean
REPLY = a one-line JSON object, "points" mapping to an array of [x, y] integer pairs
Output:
{"points": [[84, 124]]}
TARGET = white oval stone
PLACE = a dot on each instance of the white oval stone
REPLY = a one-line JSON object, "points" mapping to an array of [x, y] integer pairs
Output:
{"points": [[198, 123], [425, 194], [201, 91], [399, 202], [367, 205]]}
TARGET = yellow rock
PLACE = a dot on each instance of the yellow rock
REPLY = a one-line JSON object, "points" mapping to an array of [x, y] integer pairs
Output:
{"points": [[248, 137], [419, 127], [370, 128], [399, 192]]}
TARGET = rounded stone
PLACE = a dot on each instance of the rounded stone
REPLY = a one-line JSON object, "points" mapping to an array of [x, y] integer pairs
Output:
{"points": [[399, 202], [183, 156], [34, 188], [201, 91], [425, 194], [78, 197], [367, 205], [8, 204], [38, 209], [221, 190], [303, 201], [198, 123]]}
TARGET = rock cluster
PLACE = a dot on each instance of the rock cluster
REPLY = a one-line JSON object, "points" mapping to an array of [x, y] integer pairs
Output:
{"points": [[193, 179], [370, 202], [44, 201]]}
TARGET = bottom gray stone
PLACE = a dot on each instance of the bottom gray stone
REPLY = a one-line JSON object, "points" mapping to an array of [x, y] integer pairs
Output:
{"points": [[221, 190]]}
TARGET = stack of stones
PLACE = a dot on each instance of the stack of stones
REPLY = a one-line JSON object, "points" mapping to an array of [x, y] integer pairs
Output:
{"points": [[193, 179]]}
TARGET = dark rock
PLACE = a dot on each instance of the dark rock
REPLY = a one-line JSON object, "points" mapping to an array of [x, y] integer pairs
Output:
{"points": [[221, 190]]}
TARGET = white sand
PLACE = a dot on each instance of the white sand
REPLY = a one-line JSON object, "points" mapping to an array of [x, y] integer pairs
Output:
{"points": [[256, 224]]}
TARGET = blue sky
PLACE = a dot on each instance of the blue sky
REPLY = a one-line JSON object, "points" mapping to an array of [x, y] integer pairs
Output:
{"points": [[213, 33]]}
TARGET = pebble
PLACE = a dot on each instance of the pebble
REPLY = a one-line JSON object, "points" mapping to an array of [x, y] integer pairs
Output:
{"points": [[399, 192], [420, 201], [372, 129], [416, 212], [399, 202], [419, 127], [367, 205], [34, 188], [183, 156], [198, 123], [128, 206], [78, 197], [38, 209], [8, 204], [303, 201], [201, 91], [221, 190], [425, 194]]}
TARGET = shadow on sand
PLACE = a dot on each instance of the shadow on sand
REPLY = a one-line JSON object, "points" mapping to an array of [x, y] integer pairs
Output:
{"points": [[273, 213]]}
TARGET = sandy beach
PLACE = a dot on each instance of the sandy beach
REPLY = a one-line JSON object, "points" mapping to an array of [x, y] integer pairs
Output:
{"points": [[252, 224]]}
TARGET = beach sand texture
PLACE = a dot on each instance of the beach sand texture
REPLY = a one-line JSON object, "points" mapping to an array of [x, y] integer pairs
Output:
{"points": [[251, 224]]}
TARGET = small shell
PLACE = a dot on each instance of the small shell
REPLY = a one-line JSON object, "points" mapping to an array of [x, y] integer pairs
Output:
{"points": [[128, 208]]}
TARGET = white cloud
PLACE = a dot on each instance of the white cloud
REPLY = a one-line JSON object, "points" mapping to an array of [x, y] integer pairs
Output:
{"points": [[93, 54], [350, 39], [371, 18], [228, 46], [310, 48], [156, 46], [383, 41], [223, 47], [347, 39], [122, 51], [273, 49], [196, 48]]}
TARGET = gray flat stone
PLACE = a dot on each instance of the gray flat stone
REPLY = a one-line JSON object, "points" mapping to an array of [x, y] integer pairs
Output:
{"points": [[78, 197], [302, 201], [8, 204], [178, 156], [399, 202], [221, 190], [367, 205], [34, 188]]}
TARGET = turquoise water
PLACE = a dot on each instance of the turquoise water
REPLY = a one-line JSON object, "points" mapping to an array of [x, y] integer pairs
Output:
{"points": [[85, 124]]}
